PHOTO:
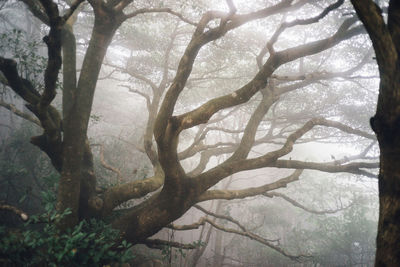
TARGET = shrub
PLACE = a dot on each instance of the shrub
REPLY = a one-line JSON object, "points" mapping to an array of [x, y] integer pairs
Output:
{"points": [[90, 243]]}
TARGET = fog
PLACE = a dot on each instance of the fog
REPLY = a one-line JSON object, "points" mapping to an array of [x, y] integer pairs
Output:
{"points": [[284, 176]]}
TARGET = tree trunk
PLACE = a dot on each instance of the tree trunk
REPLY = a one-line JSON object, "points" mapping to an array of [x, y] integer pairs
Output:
{"points": [[386, 124], [77, 182], [385, 38], [388, 240]]}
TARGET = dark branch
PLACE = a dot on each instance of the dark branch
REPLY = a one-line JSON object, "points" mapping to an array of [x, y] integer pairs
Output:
{"points": [[160, 244]]}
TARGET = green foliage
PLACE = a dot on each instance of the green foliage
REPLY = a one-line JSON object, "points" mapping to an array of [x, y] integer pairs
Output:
{"points": [[345, 239], [95, 119], [39, 241], [90, 243], [31, 64], [24, 172]]}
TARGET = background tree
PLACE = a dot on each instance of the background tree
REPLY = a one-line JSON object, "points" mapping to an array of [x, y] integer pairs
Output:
{"points": [[385, 39]]}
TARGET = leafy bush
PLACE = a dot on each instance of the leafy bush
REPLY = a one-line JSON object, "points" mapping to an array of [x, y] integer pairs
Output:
{"points": [[90, 243]]}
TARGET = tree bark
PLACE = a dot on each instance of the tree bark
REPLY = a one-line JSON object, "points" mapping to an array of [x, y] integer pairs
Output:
{"points": [[386, 124], [77, 176]]}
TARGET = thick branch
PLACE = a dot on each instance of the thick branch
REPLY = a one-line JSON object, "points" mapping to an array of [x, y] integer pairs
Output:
{"points": [[385, 50], [19, 85], [249, 135], [354, 168], [159, 10], [53, 42], [160, 244], [72, 9], [227, 168], [242, 95], [119, 194], [199, 39], [50, 141], [249, 192], [37, 10]]}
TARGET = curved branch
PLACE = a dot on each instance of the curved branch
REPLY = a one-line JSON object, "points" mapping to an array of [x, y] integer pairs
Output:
{"points": [[53, 42], [385, 50], [50, 141], [199, 39], [249, 134], [119, 5], [242, 95], [270, 159], [331, 167], [205, 157], [134, 74], [105, 164], [37, 10], [250, 235], [344, 128], [297, 204], [22, 87], [249, 192], [19, 113], [224, 217], [298, 22], [145, 96], [214, 150], [315, 77], [159, 10], [15, 210], [119, 194], [72, 9], [198, 146]]}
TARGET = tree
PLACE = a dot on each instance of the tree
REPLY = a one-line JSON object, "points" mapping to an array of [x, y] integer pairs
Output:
{"points": [[175, 189], [385, 123]]}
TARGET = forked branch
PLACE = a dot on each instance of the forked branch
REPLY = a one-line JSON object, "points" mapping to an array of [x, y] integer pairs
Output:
{"points": [[250, 235]]}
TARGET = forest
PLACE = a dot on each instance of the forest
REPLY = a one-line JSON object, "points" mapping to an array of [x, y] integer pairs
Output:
{"points": [[199, 133]]}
